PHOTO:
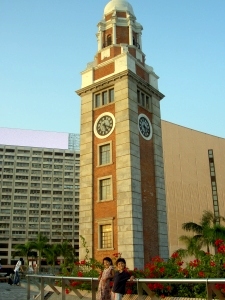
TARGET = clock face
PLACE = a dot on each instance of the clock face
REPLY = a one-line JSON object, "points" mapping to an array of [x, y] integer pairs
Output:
{"points": [[145, 126], [104, 125]]}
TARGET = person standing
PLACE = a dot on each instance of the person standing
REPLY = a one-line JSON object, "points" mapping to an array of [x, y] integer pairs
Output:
{"points": [[120, 279], [104, 291], [18, 267]]}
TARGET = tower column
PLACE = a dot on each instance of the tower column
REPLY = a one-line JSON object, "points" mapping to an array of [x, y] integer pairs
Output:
{"points": [[130, 33], [114, 32], [99, 39], [140, 39], [99, 36]]}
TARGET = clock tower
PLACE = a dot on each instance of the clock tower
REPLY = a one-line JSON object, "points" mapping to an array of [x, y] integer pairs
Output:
{"points": [[122, 195]]}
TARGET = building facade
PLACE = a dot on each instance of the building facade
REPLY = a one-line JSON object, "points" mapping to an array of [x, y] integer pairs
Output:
{"points": [[39, 192], [122, 198], [194, 164]]}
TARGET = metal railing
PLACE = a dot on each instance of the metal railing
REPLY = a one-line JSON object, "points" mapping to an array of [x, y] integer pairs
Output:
{"points": [[141, 285]]}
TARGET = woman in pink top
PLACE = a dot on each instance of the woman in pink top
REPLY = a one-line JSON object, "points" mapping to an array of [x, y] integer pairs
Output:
{"points": [[104, 291]]}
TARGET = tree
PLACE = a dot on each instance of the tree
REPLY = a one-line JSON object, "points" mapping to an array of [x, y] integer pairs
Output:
{"points": [[193, 246], [40, 244], [67, 251], [207, 231], [23, 250], [51, 252]]}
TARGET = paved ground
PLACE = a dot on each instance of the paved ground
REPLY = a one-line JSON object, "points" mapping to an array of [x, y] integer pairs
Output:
{"points": [[13, 292]]}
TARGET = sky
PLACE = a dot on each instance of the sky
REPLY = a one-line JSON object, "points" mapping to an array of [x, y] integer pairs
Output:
{"points": [[46, 44]]}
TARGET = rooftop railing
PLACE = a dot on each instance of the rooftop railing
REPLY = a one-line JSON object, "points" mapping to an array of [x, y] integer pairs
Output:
{"points": [[142, 287]]}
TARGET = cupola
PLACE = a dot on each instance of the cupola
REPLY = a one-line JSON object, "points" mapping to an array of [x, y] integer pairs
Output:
{"points": [[118, 5], [119, 26]]}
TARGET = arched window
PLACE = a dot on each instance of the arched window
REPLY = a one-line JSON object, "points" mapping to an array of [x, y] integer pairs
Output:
{"points": [[109, 40]]}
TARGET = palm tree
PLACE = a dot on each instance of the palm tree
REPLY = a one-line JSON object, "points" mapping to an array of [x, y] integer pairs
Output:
{"points": [[193, 246], [51, 252], [208, 230], [40, 245], [23, 250], [67, 251]]}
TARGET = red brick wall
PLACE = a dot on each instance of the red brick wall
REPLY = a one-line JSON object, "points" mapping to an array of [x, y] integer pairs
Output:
{"points": [[108, 17], [114, 51], [132, 51], [122, 35], [103, 71], [106, 33], [149, 204], [121, 14], [107, 208], [142, 73]]}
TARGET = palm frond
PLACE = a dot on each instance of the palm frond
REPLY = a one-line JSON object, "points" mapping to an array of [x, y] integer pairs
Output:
{"points": [[191, 226]]}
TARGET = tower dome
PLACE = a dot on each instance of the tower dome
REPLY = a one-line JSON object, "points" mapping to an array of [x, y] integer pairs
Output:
{"points": [[121, 5]]}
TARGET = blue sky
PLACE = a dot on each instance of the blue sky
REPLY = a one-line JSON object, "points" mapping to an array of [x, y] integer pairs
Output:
{"points": [[46, 44]]}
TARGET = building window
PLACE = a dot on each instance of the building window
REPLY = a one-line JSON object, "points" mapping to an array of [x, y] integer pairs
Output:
{"points": [[105, 236], [147, 102], [103, 98], [105, 189], [212, 174], [109, 40], [111, 95], [105, 233], [97, 100], [144, 100], [104, 154]]}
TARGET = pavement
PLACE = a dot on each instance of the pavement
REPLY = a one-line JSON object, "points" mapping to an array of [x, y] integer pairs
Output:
{"points": [[14, 292]]}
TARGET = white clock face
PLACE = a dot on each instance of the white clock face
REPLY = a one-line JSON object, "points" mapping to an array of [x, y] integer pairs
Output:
{"points": [[145, 126], [104, 125]]}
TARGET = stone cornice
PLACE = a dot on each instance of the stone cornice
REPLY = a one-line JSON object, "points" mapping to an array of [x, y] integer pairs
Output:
{"points": [[104, 83]]}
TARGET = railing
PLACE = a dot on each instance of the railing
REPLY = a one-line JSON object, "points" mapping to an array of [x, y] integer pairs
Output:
{"points": [[141, 285]]}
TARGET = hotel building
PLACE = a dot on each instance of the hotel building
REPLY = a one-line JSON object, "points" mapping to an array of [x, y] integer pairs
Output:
{"points": [[39, 192]]}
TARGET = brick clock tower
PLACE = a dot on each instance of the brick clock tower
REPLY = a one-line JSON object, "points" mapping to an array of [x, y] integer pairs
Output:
{"points": [[122, 195]]}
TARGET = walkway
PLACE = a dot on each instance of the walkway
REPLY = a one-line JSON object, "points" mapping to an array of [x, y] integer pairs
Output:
{"points": [[13, 292]]}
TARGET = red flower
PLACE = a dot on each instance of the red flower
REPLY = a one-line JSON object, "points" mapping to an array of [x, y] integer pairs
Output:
{"points": [[219, 242], [169, 288], [221, 249], [162, 270], [157, 259], [162, 296], [219, 286], [195, 263], [201, 274], [82, 262], [175, 255], [185, 271], [67, 291], [74, 283], [80, 274], [180, 263], [155, 286], [212, 264]]}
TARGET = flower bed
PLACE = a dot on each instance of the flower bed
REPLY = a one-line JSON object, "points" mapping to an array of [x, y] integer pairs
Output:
{"points": [[205, 265]]}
